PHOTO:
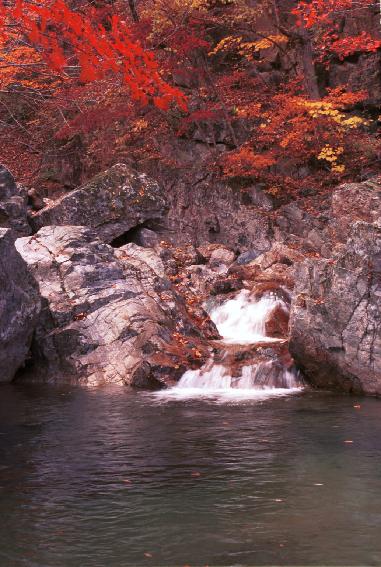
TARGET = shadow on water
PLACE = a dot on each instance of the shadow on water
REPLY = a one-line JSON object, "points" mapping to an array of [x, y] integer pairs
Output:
{"points": [[111, 478]]}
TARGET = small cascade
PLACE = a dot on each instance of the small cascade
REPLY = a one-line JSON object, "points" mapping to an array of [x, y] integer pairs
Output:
{"points": [[261, 376], [246, 360], [242, 320]]}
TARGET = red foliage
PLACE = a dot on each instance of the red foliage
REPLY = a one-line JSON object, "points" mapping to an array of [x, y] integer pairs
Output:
{"points": [[249, 105], [346, 46], [325, 15], [68, 39], [320, 12]]}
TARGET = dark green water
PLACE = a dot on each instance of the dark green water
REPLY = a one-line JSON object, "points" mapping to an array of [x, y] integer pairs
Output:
{"points": [[109, 478]]}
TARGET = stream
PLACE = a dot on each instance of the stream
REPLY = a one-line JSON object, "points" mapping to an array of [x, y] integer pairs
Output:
{"points": [[249, 365], [238, 465]]}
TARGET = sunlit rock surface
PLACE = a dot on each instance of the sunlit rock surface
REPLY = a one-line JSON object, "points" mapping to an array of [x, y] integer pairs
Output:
{"points": [[109, 315]]}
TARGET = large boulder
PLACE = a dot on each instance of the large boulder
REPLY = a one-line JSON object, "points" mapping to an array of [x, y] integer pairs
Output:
{"points": [[109, 315], [113, 203], [13, 204], [336, 314], [19, 308]]}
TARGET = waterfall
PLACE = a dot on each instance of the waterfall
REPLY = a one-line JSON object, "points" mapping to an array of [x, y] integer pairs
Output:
{"points": [[242, 321], [261, 376]]}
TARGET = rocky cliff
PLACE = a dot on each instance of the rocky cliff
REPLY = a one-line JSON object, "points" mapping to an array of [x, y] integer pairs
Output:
{"points": [[336, 313], [19, 308], [122, 297]]}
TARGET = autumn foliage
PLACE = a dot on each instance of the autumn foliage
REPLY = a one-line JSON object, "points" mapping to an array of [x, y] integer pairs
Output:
{"points": [[92, 83], [68, 42]]}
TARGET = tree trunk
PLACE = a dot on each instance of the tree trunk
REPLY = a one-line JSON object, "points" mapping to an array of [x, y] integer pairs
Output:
{"points": [[307, 59], [133, 10]]}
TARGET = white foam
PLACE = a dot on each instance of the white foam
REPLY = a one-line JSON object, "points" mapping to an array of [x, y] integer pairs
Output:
{"points": [[243, 321], [224, 395], [240, 320]]}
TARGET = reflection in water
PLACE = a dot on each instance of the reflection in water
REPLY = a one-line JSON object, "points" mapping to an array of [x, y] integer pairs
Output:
{"points": [[106, 477]]}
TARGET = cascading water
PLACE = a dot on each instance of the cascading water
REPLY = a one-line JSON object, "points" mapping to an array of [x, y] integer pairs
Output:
{"points": [[242, 321]]}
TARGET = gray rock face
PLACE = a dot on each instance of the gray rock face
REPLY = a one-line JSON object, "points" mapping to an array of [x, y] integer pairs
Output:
{"points": [[203, 209], [336, 315], [112, 203], [109, 315], [212, 213], [293, 226], [355, 201], [13, 204], [19, 308]]}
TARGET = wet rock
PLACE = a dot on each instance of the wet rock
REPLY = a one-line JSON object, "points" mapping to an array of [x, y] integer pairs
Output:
{"points": [[112, 203], [271, 287], [13, 204], [276, 325], [225, 285], [204, 281], [19, 308], [336, 315], [274, 267], [245, 366], [109, 315]]}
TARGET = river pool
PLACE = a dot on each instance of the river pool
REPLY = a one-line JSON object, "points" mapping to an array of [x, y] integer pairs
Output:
{"points": [[111, 478]]}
